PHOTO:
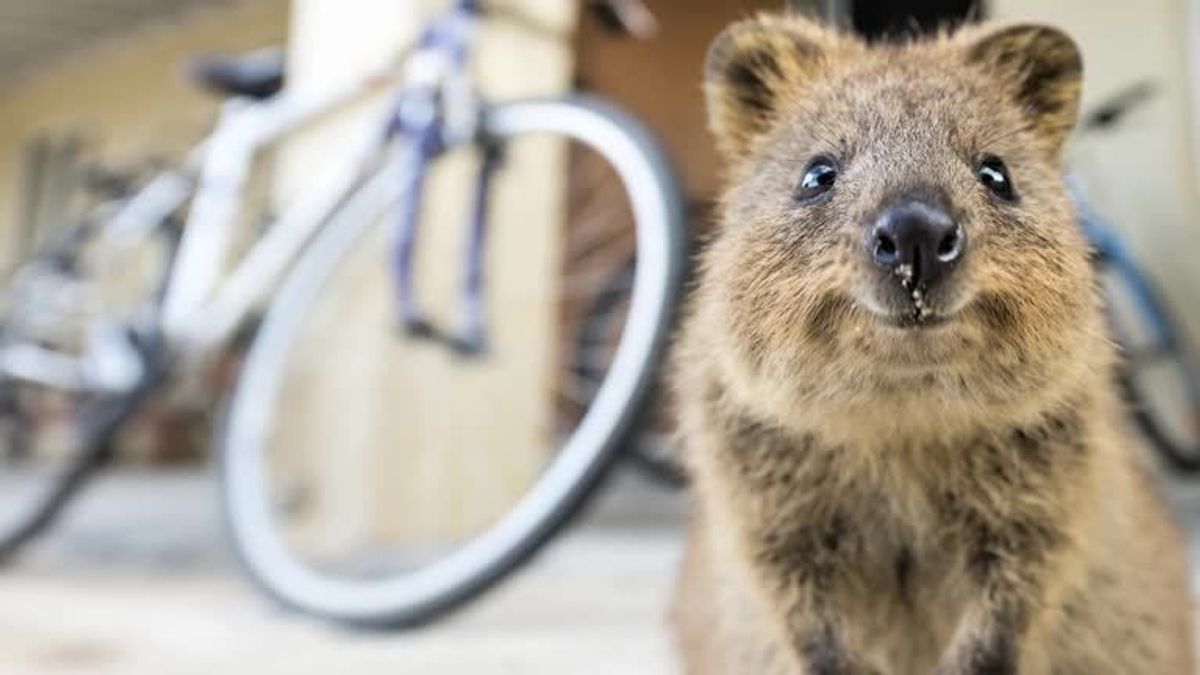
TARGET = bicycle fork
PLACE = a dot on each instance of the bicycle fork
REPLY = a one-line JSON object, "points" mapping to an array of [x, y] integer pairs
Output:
{"points": [[469, 337]]}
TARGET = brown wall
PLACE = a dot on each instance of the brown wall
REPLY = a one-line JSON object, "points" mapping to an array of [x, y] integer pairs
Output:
{"points": [[659, 80]]}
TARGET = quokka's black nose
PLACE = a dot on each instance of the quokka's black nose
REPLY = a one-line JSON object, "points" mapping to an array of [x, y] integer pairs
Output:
{"points": [[917, 241]]}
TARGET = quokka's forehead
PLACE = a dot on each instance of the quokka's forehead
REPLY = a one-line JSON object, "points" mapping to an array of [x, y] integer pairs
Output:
{"points": [[906, 100], [880, 84]]}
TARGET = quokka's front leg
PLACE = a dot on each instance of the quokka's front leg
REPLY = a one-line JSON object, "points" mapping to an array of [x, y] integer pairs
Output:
{"points": [[988, 642], [803, 568], [1014, 567], [800, 541]]}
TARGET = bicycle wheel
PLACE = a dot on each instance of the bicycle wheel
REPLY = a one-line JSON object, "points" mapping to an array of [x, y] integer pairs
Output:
{"points": [[33, 472], [39, 483], [395, 532], [1159, 372]]}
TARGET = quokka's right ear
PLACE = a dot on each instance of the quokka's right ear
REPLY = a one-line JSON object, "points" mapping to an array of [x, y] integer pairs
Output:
{"points": [[752, 67], [1042, 69]]}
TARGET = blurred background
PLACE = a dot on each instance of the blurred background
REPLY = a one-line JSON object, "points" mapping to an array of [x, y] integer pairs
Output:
{"points": [[95, 95]]}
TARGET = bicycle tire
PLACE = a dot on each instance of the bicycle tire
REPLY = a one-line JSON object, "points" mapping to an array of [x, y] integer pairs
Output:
{"points": [[99, 420], [46, 507], [574, 471]]}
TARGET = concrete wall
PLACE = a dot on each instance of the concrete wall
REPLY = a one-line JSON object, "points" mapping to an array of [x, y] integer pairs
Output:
{"points": [[126, 100]]}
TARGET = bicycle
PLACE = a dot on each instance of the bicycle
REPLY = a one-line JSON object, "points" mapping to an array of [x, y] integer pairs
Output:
{"points": [[1159, 372], [110, 364]]}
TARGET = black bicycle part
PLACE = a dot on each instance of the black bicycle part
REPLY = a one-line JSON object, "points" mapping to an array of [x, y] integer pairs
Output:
{"points": [[258, 75], [651, 453], [99, 419]]}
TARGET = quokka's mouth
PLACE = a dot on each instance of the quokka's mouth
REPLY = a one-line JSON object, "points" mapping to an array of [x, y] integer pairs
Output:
{"points": [[914, 309], [918, 320]]}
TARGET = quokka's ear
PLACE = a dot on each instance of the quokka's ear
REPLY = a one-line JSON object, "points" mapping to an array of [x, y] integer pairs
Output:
{"points": [[1041, 68], [752, 67]]}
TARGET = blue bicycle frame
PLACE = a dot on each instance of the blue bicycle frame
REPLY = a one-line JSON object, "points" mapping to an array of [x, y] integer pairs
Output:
{"points": [[438, 70], [1111, 251]]}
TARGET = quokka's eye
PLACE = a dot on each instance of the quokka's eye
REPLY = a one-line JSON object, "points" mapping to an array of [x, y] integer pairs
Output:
{"points": [[994, 176], [818, 178]]}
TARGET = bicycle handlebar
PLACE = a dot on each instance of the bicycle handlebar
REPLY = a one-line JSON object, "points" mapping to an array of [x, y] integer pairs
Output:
{"points": [[1110, 112]]}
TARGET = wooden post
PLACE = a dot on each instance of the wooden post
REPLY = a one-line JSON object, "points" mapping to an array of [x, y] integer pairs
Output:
{"points": [[406, 440]]}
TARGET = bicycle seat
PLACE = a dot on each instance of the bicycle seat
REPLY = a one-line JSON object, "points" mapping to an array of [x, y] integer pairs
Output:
{"points": [[257, 75], [625, 17]]}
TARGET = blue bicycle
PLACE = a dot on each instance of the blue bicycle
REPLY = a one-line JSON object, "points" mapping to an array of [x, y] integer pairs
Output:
{"points": [[1159, 371]]}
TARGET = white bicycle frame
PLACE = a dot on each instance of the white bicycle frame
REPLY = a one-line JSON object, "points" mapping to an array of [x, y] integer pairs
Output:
{"points": [[202, 305], [200, 308]]}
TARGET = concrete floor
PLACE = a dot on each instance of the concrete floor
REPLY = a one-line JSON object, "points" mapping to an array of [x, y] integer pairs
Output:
{"points": [[136, 581]]}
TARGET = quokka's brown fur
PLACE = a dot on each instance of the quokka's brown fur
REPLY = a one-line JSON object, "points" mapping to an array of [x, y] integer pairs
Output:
{"points": [[874, 498]]}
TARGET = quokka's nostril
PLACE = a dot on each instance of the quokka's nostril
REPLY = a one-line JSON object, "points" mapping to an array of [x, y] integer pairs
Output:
{"points": [[950, 246], [885, 247]]}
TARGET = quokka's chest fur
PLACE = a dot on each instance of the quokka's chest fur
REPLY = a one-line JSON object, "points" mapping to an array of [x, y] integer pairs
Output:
{"points": [[897, 543], [895, 512]]}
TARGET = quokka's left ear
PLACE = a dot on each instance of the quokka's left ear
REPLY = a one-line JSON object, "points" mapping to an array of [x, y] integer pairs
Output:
{"points": [[1041, 68]]}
